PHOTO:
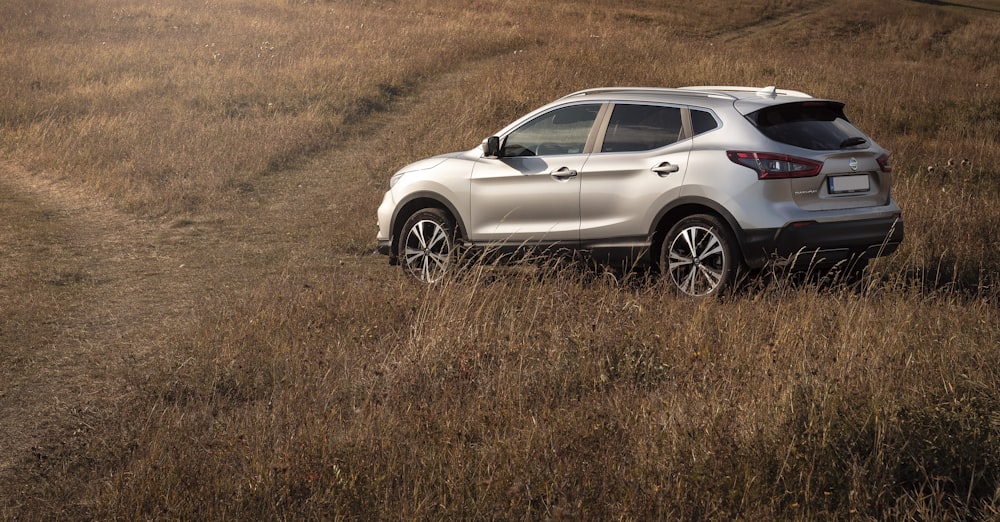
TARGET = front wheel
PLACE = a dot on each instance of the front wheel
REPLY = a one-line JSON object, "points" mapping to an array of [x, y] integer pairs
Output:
{"points": [[427, 246], [700, 256]]}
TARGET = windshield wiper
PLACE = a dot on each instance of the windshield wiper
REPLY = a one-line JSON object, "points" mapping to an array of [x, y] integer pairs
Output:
{"points": [[853, 142]]}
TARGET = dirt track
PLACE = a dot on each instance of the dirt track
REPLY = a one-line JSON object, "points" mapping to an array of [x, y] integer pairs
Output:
{"points": [[113, 290], [118, 293], [121, 292]]}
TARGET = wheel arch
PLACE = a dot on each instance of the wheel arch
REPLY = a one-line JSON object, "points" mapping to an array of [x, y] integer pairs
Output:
{"points": [[682, 208], [415, 202]]}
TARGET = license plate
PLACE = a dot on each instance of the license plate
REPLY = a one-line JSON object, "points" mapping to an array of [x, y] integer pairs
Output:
{"points": [[847, 184]]}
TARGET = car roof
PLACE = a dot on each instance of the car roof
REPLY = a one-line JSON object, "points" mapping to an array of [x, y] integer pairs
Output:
{"points": [[746, 99]]}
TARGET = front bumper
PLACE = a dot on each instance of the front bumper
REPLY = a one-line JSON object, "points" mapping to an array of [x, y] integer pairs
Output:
{"points": [[812, 243], [384, 247], [384, 236]]}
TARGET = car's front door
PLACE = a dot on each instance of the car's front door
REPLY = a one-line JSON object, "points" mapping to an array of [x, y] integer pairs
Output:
{"points": [[530, 195]]}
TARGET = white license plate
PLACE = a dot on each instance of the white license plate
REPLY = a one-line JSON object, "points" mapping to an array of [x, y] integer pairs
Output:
{"points": [[846, 184]]}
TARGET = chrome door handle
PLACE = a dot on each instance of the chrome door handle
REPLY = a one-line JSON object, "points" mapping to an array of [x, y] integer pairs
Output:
{"points": [[665, 168], [563, 174]]}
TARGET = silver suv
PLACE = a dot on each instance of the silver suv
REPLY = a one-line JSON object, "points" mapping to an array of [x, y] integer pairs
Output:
{"points": [[702, 183]]}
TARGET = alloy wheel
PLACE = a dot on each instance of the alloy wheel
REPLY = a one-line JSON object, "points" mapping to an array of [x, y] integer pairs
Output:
{"points": [[697, 260], [427, 250]]}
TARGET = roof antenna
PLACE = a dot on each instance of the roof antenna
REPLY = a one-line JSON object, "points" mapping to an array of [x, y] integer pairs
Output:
{"points": [[768, 92]]}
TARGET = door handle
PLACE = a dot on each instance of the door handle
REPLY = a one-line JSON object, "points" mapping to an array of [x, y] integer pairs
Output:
{"points": [[563, 174], [665, 168]]}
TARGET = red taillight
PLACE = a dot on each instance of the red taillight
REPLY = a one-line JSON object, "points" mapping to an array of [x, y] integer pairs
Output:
{"points": [[776, 166], [883, 163]]}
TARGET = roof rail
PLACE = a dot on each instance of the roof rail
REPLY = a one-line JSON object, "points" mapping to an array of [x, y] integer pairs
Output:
{"points": [[652, 90], [767, 92]]}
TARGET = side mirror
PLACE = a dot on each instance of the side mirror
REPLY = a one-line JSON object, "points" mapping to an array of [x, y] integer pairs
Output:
{"points": [[491, 147]]}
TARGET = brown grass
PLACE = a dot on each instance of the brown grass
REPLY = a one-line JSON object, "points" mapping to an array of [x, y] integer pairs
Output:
{"points": [[234, 352]]}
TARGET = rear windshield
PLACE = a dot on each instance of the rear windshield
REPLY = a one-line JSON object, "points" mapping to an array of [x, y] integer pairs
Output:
{"points": [[810, 125]]}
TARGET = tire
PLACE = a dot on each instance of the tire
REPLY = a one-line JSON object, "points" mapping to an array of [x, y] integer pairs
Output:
{"points": [[427, 245], [700, 256]]}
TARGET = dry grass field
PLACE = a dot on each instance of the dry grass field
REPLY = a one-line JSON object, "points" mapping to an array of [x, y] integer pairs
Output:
{"points": [[193, 325]]}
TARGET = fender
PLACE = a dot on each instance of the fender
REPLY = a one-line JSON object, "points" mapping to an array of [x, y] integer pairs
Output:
{"points": [[405, 204], [687, 205], [695, 201]]}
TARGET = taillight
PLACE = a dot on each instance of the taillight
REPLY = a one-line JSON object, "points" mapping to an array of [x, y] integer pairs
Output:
{"points": [[776, 166], [883, 163]]}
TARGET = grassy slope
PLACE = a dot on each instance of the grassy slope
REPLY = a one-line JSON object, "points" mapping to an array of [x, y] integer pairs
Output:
{"points": [[320, 383]]}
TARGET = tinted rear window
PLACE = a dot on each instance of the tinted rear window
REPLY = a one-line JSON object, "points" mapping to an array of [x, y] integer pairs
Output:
{"points": [[642, 127], [702, 121], [810, 125]]}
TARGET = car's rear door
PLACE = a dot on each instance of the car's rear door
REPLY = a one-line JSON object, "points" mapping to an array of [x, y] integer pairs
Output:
{"points": [[638, 165]]}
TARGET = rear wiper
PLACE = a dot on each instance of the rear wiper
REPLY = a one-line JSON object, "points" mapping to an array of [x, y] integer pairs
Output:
{"points": [[853, 142]]}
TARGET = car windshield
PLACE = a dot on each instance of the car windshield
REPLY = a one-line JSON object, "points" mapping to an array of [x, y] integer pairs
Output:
{"points": [[817, 125]]}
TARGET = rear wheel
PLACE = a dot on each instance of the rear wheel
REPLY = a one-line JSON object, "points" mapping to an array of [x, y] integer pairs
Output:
{"points": [[700, 256], [427, 245]]}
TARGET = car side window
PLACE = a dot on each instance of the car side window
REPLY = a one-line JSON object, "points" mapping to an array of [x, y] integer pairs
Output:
{"points": [[642, 127], [560, 131], [702, 121]]}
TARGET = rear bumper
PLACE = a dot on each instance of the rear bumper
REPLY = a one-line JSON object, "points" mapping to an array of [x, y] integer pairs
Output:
{"points": [[811, 243]]}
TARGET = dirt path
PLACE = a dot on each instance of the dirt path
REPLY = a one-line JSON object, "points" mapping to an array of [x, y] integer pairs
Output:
{"points": [[87, 295], [94, 300], [773, 25]]}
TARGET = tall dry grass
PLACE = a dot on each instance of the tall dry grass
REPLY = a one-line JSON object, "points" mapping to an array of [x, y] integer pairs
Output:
{"points": [[552, 393], [540, 391]]}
